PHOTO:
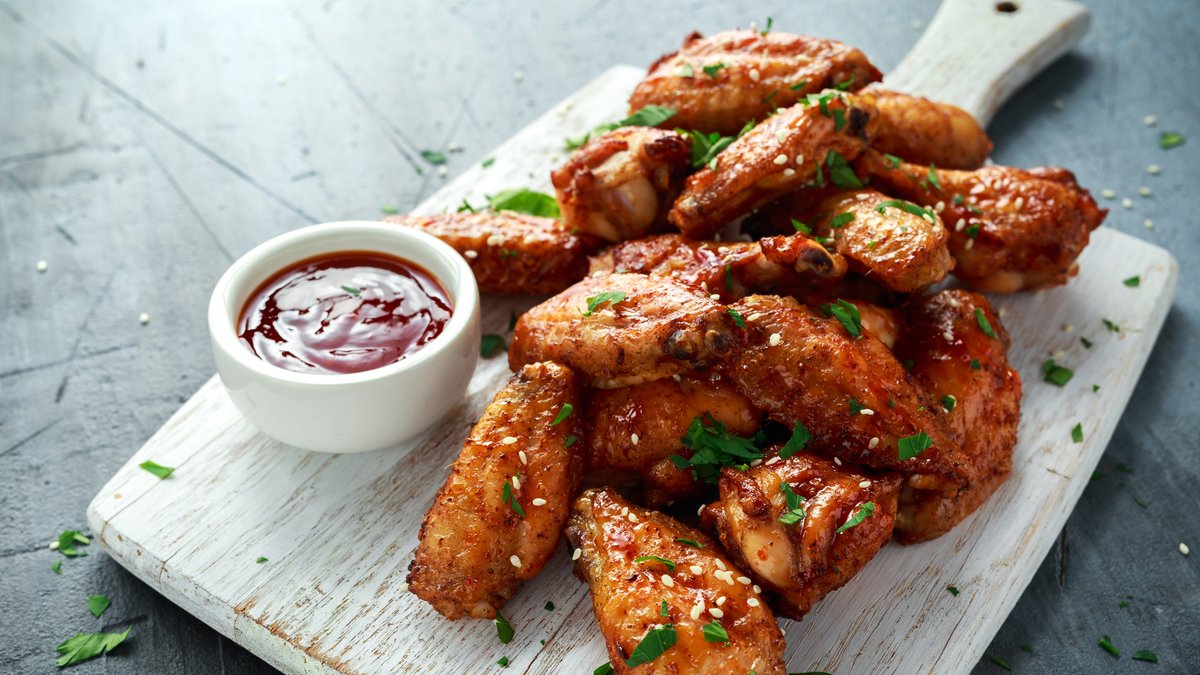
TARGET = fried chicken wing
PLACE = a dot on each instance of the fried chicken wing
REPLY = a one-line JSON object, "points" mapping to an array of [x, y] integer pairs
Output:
{"points": [[619, 186], [511, 253], [727, 269], [635, 429], [623, 329], [497, 519], [785, 152], [889, 241], [922, 131], [841, 519], [946, 340], [720, 82], [851, 393], [1011, 229], [714, 621]]}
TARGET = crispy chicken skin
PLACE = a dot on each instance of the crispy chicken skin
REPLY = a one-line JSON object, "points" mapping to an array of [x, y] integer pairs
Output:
{"points": [[776, 157], [787, 263], [885, 243], [804, 561], [656, 328], [1010, 229], [922, 131], [511, 253], [943, 337], [627, 596], [471, 540], [813, 371], [752, 75], [619, 186], [657, 415]]}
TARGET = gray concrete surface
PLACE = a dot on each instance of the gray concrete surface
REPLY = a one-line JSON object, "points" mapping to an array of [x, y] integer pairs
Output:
{"points": [[144, 145]]}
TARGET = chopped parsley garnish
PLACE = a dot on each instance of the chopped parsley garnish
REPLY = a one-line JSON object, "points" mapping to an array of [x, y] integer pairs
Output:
{"points": [[1112, 327], [845, 85], [840, 172], [795, 504], [507, 497], [841, 220], [1077, 433], [713, 447], [847, 314], [488, 162], [894, 162], [1056, 374], [856, 407], [1139, 502], [871, 245], [975, 365], [611, 298], [649, 116], [972, 231], [911, 446], [1001, 662], [687, 71], [549, 606], [715, 632], [768, 28], [908, 207], [157, 469], [737, 318], [57, 567], [767, 99], [662, 609], [800, 438], [1027, 648], [953, 590], [706, 147], [261, 559], [68, 540], [389, 209], [1170, 139], [1106, 644], [657, 641], [86, 646], [933, 179], [352, 290], [948, 402], [506, 253], [433, 157], [1087, 344], [1145, 655], [689, 542], [504, 629], [503, 662], [603, 669], [712, 70], [865, 510], [801, 227], [563, 414], [984, 324], [729, 277], [490, 344], [524, 200], [512, 320], [670, 564], [464, 207], [570, 440], [97, 604], [1133, 282], [799, 85], [1124, 468], [957, 199]]}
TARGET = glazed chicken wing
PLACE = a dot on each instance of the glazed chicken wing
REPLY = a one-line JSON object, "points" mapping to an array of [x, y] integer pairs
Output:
{"points": [[727, 269], [1011, 229], [927, 132], [635, 429], [635, 561], [497, 519], [619, 186], [511, 253], [946, 339], [623, 329], [840, 520], [851, 393], [787, 151], [720, 82]]}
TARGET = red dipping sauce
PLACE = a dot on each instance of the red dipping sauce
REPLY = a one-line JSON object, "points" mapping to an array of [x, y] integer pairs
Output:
{"points": [[344, 312]]}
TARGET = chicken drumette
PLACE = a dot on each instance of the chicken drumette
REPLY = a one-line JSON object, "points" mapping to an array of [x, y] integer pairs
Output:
{"points": [[922, 131]]}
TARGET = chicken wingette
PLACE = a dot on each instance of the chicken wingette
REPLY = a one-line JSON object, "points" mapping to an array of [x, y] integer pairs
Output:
{"points": [[497, 519], [922, 131], [665, 597]]}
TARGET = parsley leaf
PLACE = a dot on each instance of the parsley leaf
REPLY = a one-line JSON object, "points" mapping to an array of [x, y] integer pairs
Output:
{"points": [[1077, 433], [953, 590], [57, 567], [603, 669], [503, 662], [975, 365], [1001, 662], [799, 85], [911, 446], [389, 209], [766, 30], [689, 542], [523, 200], [795, 502], [504, 629], [712, 70], [715, 632], [737, 318], [570, 440], [933, 179], [1056, 374], [865, 510], [840, 172], [894, 162], [491, 343], [847, 314], [1087, 344], [464, 207], [487, 163], [801, 227], [984, 324], [713, 447], [800, 438], [649, 116], [610, 297], [1145, 655], [662, 609], [841, 220], [563, 413], [1133, 282], [670, 564], [97, 604], [86, 646], [433, 157], [157, 469], [68, 540], [261, 559], [1106, 643], [706, 147], [1170, 139], [352, 290], [1112, 327], [549, 606], [909, 207], [948, 403], [657, 641], [507, 497]]}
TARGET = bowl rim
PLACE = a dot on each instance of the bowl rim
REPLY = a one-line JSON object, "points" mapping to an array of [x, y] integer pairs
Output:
{"points": [[418, 247]]}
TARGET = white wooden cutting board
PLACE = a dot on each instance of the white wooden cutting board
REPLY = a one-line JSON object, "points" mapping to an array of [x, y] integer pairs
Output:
{"points": [[339, 530]]}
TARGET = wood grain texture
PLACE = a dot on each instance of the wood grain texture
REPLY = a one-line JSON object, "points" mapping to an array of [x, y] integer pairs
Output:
{"points": [[339, 529]]}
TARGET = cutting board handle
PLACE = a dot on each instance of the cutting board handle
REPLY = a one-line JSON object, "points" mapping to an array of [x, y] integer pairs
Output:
{"points": [[977, 53]]}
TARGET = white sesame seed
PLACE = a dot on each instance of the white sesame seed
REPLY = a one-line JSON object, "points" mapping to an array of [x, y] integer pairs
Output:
{"points": [[1003, 202], [403, 588], [470, 255], [668, 581], [1108, 194], [42, 265], [865, 484], [495, 240], [962, 222], [720, 565], [755, 75], [538, 501], [755, 462], [701, 509], [143, 318], [1127, 203], [772, 459], [519, 76], [969, 245], [728, 578], [716, 612], [624, 510], [745, 581], [775, 339], [752, 602], [633, 438], [54, 545], [1150, 120], [939, 207], [578, 552], [721, 601], [633, 517], [1067, 328], [524, 458], [508, 440], [781, 159], [873, 443], [837, 460], [1148, 223], [1183, 548], [695, 613], [696, 569], [442, 171], [978, 189], [754, 317], [677, 377], [789, 171], [1018, 203], [281, 79], [866, 411], [453, 147], [781, 135], [756, 588], [715, 296], [516, 482], [1154, 169], [516, 562], [1144, 191], [800, 159]]}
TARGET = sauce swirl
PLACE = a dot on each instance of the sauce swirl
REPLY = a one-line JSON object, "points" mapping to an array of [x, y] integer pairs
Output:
{"points": [[343, 312]]}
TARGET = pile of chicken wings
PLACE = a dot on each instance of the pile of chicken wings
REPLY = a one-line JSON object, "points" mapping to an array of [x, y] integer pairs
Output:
{"points": [[744, 387]]}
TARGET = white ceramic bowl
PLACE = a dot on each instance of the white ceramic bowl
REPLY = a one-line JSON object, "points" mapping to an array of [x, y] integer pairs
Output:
{"points": [[357, 411]]}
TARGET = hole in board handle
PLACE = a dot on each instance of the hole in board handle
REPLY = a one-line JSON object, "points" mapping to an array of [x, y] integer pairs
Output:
{"points": [[1007, 7]]}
